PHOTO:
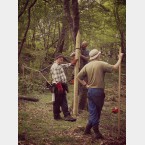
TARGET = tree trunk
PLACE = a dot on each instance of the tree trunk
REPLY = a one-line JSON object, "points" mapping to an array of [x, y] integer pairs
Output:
{"points": [[123, 46], [68, 17], [23, 10], [60, 44], [76, 18], [28, 25], [118, 23]]}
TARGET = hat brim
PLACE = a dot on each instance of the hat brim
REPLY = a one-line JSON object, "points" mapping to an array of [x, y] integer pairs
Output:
{"points": [[95, 56], [64, 58], [59, 56]]}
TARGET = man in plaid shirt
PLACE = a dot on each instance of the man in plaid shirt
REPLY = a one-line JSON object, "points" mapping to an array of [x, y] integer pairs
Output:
{"points": [[57, 72], [60, 87]]}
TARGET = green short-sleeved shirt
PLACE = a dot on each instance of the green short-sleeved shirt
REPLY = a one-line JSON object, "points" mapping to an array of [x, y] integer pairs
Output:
{"points": [[95, 73]]}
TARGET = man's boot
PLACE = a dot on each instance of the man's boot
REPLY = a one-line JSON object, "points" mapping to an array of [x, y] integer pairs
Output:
{"points": [[88, 129], [69, 118], [57, 117], [98, 135]]}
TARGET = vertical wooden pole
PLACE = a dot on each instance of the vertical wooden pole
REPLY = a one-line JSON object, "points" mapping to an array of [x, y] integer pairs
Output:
{"points": [[119, 92], [76, 70]]}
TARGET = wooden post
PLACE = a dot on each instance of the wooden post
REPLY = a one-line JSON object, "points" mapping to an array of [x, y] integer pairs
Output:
{"points": [[119, 92], [76, 70]]}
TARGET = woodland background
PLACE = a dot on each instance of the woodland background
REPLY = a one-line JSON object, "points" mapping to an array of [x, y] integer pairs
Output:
{"points": [[46, 27]]}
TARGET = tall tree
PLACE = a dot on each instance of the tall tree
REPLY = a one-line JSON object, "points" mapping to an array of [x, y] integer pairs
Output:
{"points": [[23, 9], [119, 22], [76, 18], [73, 19], [60, 44], [67, 12], [28, 25]]}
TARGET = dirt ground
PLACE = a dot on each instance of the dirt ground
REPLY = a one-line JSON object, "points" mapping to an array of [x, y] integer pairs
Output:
{"points": [[37, 126]]}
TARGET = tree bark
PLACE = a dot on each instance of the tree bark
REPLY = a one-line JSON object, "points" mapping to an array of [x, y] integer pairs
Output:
{"points": [[121, 31], [67, 12], [60, 44], [28, 25], [21, 13], [76, 18], [118, 22]]}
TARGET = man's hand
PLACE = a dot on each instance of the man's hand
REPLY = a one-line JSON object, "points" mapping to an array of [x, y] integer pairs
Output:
{"points": [[84, 57], [115, 66], [120, 55], [73, 62]]}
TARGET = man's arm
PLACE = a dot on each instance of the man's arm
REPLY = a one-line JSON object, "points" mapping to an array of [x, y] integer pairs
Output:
{"points": [[82, 82], [73, 63], [66, 65], [115, 66], [80, 76], [84, 57]]}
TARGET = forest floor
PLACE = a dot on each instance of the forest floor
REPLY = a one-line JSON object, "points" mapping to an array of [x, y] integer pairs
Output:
{"points": [[36, 125]]}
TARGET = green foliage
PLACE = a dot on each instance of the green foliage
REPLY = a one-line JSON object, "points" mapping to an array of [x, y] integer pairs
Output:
{"points": [[31, 82], [98, 26]]}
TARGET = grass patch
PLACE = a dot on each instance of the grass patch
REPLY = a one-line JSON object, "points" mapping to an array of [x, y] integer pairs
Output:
{"points": [[37, 126], [61, 140]]}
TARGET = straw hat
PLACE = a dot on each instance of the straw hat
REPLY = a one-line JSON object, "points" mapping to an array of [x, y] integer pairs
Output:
{"points": [[94, 54]]}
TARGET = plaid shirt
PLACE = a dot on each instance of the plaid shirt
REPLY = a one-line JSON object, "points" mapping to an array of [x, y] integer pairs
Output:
{"points": [[57, 72]]}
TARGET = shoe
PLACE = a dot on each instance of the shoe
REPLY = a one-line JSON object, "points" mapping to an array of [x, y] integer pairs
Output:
{"points": [[88, 129], [69, 118], [98, 135], [58, 117]]}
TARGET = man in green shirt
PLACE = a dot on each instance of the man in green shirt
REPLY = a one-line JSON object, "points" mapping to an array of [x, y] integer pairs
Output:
{"points": [[95, 72]]}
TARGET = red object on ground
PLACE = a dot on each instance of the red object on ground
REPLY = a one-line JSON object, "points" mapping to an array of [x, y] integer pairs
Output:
{"points": [[115, 110]]}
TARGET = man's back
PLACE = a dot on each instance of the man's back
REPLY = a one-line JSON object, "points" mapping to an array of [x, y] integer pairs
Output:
{"points": [[95, 72]]}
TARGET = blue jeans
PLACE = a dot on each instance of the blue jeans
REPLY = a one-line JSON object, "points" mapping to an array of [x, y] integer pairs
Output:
{"points": [[95, 103]]}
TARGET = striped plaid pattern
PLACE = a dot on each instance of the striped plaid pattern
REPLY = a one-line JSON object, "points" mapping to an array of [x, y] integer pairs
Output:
{"points": [[57, 72]]}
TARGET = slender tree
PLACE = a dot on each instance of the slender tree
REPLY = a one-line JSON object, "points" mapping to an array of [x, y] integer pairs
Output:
{"points": [[67, 12], [76, 18], [117, 3], [28, 25], [24, 8], [60, 44]]}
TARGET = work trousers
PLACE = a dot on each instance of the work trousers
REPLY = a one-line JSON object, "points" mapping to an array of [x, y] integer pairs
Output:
{"points": [[60, 101], [95, 103], [82, 97]]}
